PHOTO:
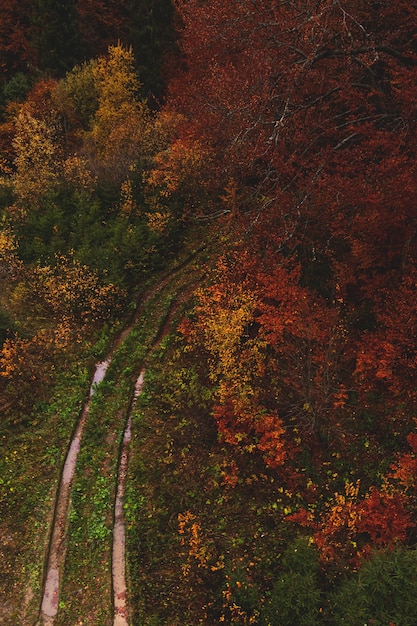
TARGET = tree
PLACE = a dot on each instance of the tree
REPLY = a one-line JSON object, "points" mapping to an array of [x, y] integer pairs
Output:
{"points": [[72, 294], [101, 24], [15, 49], [10, 265], [54, 34], [308, 113], [236, 366], [76, 96], [26, 368], [37, 161], [150, 30], [387, 359], [295, 596], [179, 179], [297, 102], [146, 25], [382, 590], [119, 133]]}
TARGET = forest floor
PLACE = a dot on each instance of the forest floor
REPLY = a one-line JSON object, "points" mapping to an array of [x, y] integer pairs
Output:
{"points": [[56, 550], [85, 519]]}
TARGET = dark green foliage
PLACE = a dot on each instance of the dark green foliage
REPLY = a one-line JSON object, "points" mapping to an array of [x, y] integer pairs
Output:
{"points": [[382, 592], [6, 197], [7, 326], [295, 596], [16, 88], [151, 32], [245, 594], [55, 35], [120, 247], [45, 231]]}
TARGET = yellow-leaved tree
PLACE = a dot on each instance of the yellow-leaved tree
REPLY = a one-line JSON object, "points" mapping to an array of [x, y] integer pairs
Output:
{"points": [[73, 294], [9, 262], [37, 161], [120, 127]]}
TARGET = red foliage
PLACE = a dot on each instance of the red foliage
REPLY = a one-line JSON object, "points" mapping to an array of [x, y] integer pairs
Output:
{"points": [[404, 470], [226, 422], [15, 49], [310, 109], [238, 427], [352, 526], [270, 433], [101, 24], [39, 101], [387, 359], [384, 517], [297, 97], [306, 340]]}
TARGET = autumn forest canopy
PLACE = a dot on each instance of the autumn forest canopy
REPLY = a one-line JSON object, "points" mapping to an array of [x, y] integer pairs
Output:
{"points": [[274, 471]]}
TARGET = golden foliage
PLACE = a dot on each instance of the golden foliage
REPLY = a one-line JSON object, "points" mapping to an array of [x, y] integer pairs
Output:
{"points": [[77, 174], [73, 293], [224, 313], [9, 262], [340, 523], [5, 171], [17, 354], [128, 205], [120, 127], [26, 366], [200, 549], [158, 221], [179, 169], [37, 157]]}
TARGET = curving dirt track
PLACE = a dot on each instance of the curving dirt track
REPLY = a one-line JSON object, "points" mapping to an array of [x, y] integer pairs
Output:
{"points": [[50, 598], [119, 531], [57, 543]]}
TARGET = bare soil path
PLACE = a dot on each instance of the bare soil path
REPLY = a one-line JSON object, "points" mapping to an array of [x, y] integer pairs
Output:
{"points": [[121, 611]]}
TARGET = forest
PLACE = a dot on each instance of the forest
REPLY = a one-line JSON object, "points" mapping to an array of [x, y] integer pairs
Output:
{"points": [[221, 196]]}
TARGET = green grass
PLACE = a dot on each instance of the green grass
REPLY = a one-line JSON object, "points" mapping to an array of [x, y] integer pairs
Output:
{"points": [[87, 572], [33, 453], [30, 467]]}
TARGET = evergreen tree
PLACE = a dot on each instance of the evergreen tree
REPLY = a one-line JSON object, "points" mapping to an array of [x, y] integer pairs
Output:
{"points": [[151, 32], [55, 35]]}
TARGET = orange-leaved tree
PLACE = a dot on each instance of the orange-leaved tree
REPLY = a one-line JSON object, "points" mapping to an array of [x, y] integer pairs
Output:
{"points": [[225, 315]]}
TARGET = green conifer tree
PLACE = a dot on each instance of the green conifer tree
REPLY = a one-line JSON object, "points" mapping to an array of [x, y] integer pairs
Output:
{"points": [[55, 35]]}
